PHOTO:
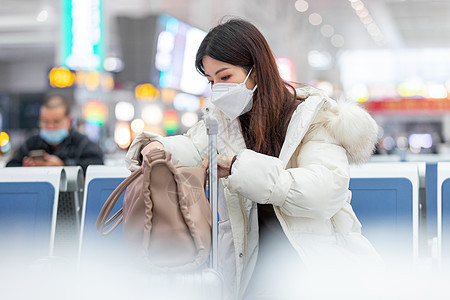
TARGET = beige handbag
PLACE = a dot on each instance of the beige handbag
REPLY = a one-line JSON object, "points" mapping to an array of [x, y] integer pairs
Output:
{"points": [[166, 215]]}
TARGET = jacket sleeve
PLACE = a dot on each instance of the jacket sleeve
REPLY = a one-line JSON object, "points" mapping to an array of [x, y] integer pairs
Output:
{"points": [[19, 154], [317, 188], [187, 149], [88, 154]]}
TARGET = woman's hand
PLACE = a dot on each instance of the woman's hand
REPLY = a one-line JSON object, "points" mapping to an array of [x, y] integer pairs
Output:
{"points": [[204, 164], [150, 146], [224, 163]]}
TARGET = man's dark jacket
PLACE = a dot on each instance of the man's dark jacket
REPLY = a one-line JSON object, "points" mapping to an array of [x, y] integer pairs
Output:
{"points": [[75, 150]]}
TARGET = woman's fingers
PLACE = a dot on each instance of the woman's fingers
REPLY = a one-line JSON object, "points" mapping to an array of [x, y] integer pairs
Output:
{"points": [[205, 163], [223, 165], [224, 161], [150, 146]]}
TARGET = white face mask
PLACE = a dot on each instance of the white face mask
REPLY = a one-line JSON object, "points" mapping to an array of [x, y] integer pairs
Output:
{"points": [[233, 99]]}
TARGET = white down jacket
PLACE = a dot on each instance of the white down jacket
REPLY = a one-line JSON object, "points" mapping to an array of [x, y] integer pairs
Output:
{"points": [[307, 185]]}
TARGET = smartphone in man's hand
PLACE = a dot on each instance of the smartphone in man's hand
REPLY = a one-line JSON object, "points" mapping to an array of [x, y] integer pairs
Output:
{"points": [[37, 154]]}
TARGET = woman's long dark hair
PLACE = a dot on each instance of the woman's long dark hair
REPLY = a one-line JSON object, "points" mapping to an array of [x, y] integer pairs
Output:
{"points": [[240, 43]]}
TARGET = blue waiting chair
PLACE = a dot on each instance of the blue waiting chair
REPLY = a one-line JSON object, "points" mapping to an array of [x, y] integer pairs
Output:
{"points": [[443, 212], [385, 198], [95, 248], [28, 210]]}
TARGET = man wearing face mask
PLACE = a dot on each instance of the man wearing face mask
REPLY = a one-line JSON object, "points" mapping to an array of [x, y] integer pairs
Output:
{"points": [[57, 144]]}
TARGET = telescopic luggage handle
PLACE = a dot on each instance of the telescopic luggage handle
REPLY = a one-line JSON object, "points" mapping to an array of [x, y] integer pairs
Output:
{"points": [[212, 129]]}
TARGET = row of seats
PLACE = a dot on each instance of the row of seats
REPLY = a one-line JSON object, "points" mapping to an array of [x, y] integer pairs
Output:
{"points": [[404, 209]]}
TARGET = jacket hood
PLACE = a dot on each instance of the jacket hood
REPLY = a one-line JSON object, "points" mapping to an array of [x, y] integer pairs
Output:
{"points": [[347, 123], [352, 126]]}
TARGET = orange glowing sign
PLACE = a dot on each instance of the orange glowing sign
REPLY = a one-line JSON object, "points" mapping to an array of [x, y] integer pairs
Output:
{"points": [[61, 77], [146, 91]]}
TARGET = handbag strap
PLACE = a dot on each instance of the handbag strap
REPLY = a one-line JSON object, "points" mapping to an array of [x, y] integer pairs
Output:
{"points": [[117, 218], [153, 157], [102, 221]]}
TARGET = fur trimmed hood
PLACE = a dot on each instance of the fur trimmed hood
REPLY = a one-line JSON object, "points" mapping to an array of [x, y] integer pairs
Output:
{"points": [[352, 126], [348, 124]]}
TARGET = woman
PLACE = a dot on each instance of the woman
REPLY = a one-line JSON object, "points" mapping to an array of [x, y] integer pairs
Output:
{"points": [[283, 161]]}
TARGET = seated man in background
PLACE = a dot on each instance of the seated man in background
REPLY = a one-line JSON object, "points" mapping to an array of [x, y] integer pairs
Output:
{"points": [[57, 144]]}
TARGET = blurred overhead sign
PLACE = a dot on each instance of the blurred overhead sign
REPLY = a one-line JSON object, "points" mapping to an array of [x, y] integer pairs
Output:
{"points": [[82, 46], [177, 45], [408, 106], [61, 77]]}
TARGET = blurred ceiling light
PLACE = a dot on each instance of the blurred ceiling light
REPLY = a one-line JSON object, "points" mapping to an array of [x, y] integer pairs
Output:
{"points": [[42, 16], [436, 91], [124, 111], [402, 142], [362, 13], [301, 5], [388, 143], [113, 64], [137, 125], [357, 5], [188, 119], [319, 59], [373, 29], [367, 20], [420, 140], [315, 19], [122, 135], [337, 40], [152, 114], [327, 30]]}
